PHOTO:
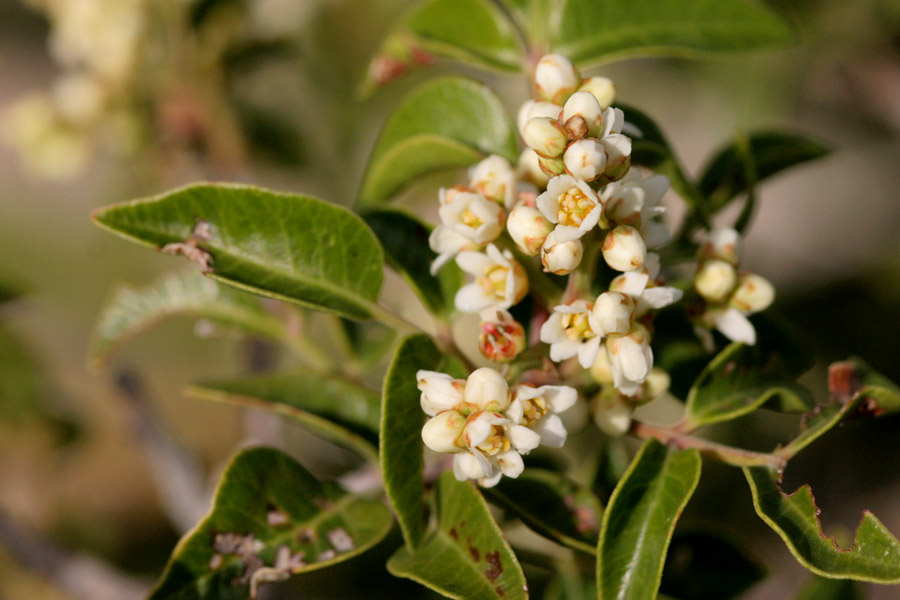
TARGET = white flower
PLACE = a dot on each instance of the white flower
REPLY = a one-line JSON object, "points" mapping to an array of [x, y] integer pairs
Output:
{"points": [[499, 280], [631, 359], [640, 286], [502, 337], [495, 179], [529, 168], [538, 407], [715, 280], [617, 146], [585, 159], [528, 228], [440, 392], [556, 78], [624, 249], [545, 136], [614, 312], [468, 221], [733, 325], [572, 330], [447, 243], [635, 201], [602, 88], [572, 205], [559, 255]]}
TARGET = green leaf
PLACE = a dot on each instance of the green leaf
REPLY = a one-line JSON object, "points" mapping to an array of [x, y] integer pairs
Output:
{"points": [[291, 247], [640, 518], [405, 243], [553, 506], [704, 566], [466, 557], [771, 152], [130, 311], [820, 588], [592, 31], [338, 410], [650, 148], [742, 378], [268, 506], [402, 419], [874, 556], [445, 123]]}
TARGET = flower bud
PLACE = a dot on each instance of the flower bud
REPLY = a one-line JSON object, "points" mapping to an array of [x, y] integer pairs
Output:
{"points": [[495, 179], [631, 359], [528, 228], [624, 249], [723, 244], [582, 108], [753, 293], [440, 392], [602, 88], [443, 432], [545, 136], [552, 166], [487, 389], [612, 414], [614, 312], [533, 108], [502, 337], [561, 257], [656, 384], [715, 280], [618, 156], [556, 78], [601, 369], [585, 159]]}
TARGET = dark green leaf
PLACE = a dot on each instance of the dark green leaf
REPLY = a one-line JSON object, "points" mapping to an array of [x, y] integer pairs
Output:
{"points": [[267, 508], [874, 556], [820, 588], [291, 247], [338, 410], [640, 519], [592, 31], [703, 566], [129, 311], [402, 419], [553, 506], [405, 243], [448, 122], [771, 152], [467, 556]]}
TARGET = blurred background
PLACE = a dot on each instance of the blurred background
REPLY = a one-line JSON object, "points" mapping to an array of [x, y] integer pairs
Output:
{"points": [[106, 100]]}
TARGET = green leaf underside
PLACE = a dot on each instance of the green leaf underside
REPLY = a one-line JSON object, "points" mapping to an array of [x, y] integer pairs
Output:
{"points": [[553, 506], [640, 518], [286, 246], [405, 242], [130, 311], [704, 566], [445, 123], [592, 31], [338, 410], [874, 556], [724, 177], [402, 418], [466, 557], [742, 378], [265, 494], [469, 30]]}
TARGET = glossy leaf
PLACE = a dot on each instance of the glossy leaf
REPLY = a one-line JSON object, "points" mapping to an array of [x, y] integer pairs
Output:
{"points": [[703, 566], [466, 557], [338, 410], [268, 510], [640, 518], [724, 176], [130, 311], [448, 122], [405, 242], [291, 247], [742, 378], [401, 448], [553, 506], [592, 31], [874, 556]]}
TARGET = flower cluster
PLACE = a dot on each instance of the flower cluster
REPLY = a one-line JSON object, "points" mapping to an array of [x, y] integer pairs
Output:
{"points": [[728, 294], [487, 425]]}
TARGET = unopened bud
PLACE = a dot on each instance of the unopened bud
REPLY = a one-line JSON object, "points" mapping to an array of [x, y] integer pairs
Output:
{"points": [[533, 108], [530, 170], [487, 389], [723, 244], [545, 136], [556, 78], [715, 280], [502, 337], [753, 293], [585, 159], [611, 413], [582, 107], [601, 369], [602, 88], [443, 432], [624, 249], [618, 156], [552, 166], [614, 312], [528, 228], [495, 179], [561, 257], [656, 384]]}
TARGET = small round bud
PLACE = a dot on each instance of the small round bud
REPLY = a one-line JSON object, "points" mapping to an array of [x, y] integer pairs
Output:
{"points": [[502, 337], [545, 136], [556, 78], [582, 107], [656, 384], [533, 108], [528, 228], [624, 249], [715, 280], [614, 312], [552, 166], [443, 432], [495, 179], [585, 159], [487, 389], [601, 369], [602, 88], [753, 293], [723, 244], [561, 257], [618, 156], [612, 414], [530, 170]]}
